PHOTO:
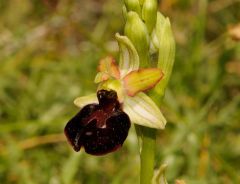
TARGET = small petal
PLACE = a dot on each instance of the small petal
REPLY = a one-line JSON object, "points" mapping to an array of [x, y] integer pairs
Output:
{"points": [[101, 76], [84, 100], [143, 111], [129, 59], [107, 69], [142, 80]]}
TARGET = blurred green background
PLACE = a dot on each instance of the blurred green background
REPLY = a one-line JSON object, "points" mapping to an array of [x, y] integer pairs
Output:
{"points": [[49, 50]]}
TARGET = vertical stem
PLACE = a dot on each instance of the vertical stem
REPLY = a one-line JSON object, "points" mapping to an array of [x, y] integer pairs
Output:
{"points": [[147, 155]]}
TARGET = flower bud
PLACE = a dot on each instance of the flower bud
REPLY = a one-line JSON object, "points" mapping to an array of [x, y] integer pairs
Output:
{"points": [[133, 5], [137, 32], [149, 13]]}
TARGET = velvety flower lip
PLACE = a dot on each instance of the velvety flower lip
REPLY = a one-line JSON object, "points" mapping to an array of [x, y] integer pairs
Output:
{"points": [[99, 128]]}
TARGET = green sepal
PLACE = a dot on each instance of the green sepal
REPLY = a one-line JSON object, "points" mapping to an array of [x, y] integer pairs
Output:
{"points": [[143, 111]]}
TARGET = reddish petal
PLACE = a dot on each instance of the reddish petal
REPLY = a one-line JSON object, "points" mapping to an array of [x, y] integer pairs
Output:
{"points": [[109, 67]]}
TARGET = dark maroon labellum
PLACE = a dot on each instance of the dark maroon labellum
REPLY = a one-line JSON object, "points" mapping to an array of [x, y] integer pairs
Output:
{"points": [[99, 128]]}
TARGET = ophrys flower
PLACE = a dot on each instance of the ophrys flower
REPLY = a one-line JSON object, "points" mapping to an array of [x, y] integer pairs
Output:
{"points": [[102, 128]]}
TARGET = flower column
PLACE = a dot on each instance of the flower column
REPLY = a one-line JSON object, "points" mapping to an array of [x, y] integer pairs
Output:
{"points": [[150, 32]]}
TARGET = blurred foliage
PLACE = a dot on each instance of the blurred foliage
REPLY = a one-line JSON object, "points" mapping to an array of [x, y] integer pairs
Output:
{"points": [[49, 50]]}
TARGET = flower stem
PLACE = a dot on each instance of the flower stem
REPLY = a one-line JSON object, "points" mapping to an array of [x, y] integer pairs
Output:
{"points": [[147, 154], [148, 147]]}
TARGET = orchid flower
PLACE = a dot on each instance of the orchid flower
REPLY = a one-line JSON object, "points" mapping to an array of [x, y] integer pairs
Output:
{"points": [[103, 122]]}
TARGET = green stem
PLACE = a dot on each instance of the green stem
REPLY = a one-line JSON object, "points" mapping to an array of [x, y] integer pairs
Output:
{"points": [[147, 154]]}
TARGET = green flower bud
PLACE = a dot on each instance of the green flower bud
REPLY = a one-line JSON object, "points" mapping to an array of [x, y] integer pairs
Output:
{"points": [[133, 5], [149, 13], [137, 32], [166, 48]]}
